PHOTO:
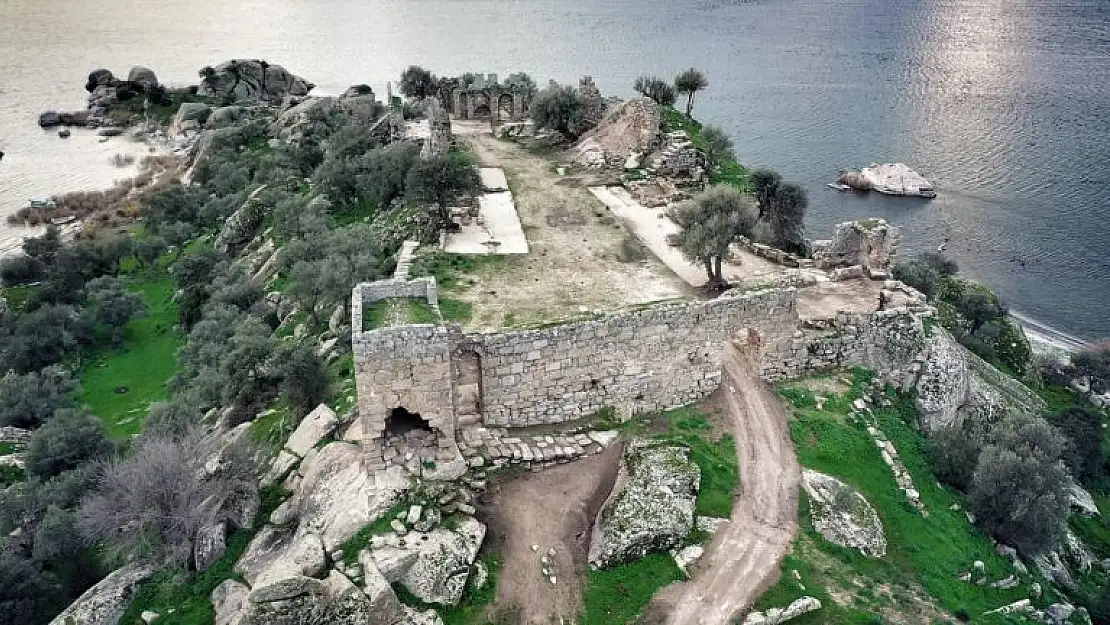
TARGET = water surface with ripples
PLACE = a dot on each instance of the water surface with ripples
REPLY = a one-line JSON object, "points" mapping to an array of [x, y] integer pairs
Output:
{"points": [[1002, 104]]}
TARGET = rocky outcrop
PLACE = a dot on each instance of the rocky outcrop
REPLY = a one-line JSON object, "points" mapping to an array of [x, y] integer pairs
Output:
{"points": [[314, 427], [250, 81], [651, 508], [209, 545], [143, 76], [870, 243], [842, 515], [774, 616], [434, 566], [229, 602], [955, 384], [293, 123], [888, 178], [634, 127], [276, 553], [105, 603], [337, 496], [243, 223], [189, 119]]}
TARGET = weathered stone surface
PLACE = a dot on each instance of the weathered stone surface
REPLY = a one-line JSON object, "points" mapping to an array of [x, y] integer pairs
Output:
{"points": [[870, 243], [251, 81], [313, 428], [224, 117], [375, 586], [347, 604], [243, 223], [339, 496], [278, 553], [105, 603], [416, 616], [842, 515], [229, 602], [651, 508], [190, 118], [143, 76], [443, 557], [1082, 501], [292, 600], [210, 544], [774, 616], [282, 465]]}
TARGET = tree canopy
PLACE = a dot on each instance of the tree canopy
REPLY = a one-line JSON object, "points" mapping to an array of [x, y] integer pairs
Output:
{"points": [[655, 88], [710, 223], [689, 83], [440, 180], [557, 107]]}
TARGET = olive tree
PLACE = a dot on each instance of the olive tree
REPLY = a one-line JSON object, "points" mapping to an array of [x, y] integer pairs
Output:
{"points": [[689, 83], [711, 222], [557, 107], [70, 439], [1019, 491], [417, 82], [783, 206], [718, 147], [111, 305], [29, 400], [440, 180]]}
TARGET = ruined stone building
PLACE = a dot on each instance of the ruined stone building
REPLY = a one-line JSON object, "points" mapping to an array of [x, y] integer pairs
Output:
{"points": [[484, 98]]}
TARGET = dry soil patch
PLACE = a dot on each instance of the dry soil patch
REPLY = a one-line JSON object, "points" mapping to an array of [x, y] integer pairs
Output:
{"points": [[551, 509]]}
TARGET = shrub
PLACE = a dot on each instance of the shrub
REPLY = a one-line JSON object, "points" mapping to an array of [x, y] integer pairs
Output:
{"points": [[953, 454], [1094, 364], [152, 502], [917, 274], [558, 107], [1019, 491], [440, 180], [21, 270], [718, 147], [67, 441], [111, 305], [655, 88], [1082, 431], [304, 381]]}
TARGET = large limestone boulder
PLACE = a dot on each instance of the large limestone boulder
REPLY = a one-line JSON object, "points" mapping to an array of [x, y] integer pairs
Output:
{"points": [[434, 566], [143, 76], [105, 603], [229, 602], [870, 243], [842, 515], [278, 553], [288, 601], [189, 119], [338, 496], [210, 544], [243, 223], [313, 428], [956, 385], [651, 508], [252, 81]]}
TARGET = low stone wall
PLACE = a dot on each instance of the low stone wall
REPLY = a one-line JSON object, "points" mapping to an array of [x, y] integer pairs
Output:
{"points": [[370, 292], [657, 358], [14, 435]]}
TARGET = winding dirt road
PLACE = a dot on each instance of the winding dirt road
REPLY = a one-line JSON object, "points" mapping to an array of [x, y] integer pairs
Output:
{"points": [[744, 557]]}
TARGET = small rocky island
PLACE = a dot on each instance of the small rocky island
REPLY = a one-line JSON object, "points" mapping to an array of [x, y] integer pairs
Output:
{"points": [[889, 179]]}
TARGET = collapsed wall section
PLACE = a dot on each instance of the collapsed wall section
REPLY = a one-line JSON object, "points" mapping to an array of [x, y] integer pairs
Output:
{"points": [[655, 358]]}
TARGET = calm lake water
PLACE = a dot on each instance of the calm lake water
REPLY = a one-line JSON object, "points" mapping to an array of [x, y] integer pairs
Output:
{"points": [[1002, 104]]}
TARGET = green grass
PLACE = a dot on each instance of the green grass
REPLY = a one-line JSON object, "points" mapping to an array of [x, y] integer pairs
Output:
{"points": [[1095, 532], [452, 271], [10, 475], [395, 310], [927, 553], [272, 427], [618, 595], [341, 373], [456, 310], [8, 449], [17, 296], [360, 212], [362, 539], [720, 477], [730, 172], [143, 365]]}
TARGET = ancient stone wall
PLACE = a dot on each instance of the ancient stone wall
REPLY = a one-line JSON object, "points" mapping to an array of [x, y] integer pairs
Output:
{"points": [[369, 292], [660, 357]]}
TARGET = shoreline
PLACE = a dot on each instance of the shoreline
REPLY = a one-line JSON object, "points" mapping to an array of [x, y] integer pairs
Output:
{"points": [[1048, 340]]}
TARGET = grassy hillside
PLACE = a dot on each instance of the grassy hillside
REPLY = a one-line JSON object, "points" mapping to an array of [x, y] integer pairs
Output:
{"points": [[918, 580]]}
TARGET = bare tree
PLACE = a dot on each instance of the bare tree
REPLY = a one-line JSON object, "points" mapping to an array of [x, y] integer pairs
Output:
{"points": [[152, 502]]}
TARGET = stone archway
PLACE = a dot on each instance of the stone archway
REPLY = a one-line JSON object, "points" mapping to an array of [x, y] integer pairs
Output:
{"points": [[482, 105], [505, 106]]}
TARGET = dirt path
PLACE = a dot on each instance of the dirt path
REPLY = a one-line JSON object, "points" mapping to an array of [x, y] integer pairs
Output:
{"points": [[744, 557], [550, 509], [580, 258]]}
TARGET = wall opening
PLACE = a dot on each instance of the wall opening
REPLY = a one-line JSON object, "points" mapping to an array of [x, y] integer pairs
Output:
{"points": [[401, 422], [505, 106]]}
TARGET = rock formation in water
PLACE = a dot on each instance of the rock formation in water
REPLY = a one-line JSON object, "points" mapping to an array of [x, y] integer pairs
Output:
{"points": [[250, 81]]}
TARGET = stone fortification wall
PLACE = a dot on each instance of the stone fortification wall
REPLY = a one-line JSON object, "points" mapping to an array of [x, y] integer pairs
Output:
{"points": [[405, 367], [660, 357], [369, 292], [886, 341]]}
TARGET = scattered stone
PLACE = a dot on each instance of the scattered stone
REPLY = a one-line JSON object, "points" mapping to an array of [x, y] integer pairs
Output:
{"points": [[279, 553], [774, 616], [398, 527], [842, 515], [229, 602], [709, 524], [432, 566], [1005, 584], [686, 556], [1023, 606], [64, 133], [415, 616], [149, 617]]}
